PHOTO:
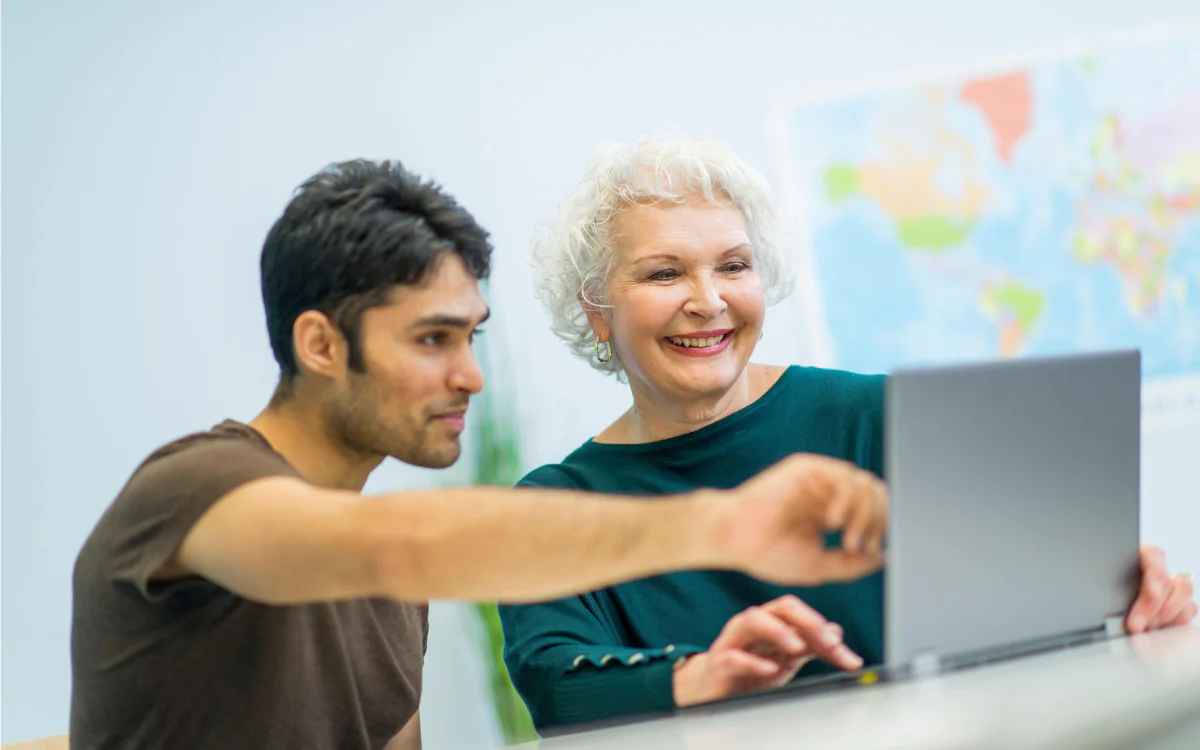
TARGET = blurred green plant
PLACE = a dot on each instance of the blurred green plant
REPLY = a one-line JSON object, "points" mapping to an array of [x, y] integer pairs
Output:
{"points": [[497, 460]]}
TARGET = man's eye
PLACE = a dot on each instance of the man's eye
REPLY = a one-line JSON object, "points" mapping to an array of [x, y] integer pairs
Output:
{"points": [[476, 332], [435, 339]]}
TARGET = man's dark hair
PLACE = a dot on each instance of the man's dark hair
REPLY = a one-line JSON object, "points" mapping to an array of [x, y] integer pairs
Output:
{"points": [[350, 234]]}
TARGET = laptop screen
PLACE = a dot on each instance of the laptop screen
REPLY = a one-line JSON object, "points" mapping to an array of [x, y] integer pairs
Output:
{"points": [[1014, 502]]}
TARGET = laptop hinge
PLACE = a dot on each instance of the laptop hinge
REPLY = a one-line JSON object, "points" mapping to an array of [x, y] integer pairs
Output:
{"points": [[1114, 626], [926, 663]]}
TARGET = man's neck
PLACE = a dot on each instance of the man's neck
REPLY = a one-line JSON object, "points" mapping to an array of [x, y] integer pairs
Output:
{"points": [[304, 440]]}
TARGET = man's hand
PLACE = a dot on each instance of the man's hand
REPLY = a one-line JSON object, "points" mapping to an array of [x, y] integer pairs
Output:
{"points": [[761, 647], [775, 527], [1163, 601]]}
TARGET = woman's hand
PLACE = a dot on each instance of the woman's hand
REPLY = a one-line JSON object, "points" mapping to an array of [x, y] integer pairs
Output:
{"points": [[1163, 601], [761, 647]]}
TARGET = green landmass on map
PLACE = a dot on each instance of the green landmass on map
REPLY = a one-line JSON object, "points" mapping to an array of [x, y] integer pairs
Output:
{"points": [[1024, 303], [841, 181], [932, 232]]}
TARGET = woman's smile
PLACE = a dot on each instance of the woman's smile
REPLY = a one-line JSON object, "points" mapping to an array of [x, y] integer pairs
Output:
{"points": [[700, 343]]}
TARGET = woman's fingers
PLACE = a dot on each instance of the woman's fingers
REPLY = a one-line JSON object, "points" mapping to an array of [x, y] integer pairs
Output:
{"points": [[822, 637], [1174, 609], [734, 665], [1153, 591], [760, 630]]}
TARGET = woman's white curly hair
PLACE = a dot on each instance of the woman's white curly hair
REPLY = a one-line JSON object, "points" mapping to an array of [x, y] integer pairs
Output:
{"points": [[572, 254]]}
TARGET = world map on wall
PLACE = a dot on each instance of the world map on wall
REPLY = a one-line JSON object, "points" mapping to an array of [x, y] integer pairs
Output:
{"points": [[1036, 210]]}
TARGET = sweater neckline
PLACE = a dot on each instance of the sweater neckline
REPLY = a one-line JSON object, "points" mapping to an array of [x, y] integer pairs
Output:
{"points": [[722, 425]]}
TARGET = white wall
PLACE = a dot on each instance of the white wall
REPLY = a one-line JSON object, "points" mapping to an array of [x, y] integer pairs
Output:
{"points": [[147, 147]]}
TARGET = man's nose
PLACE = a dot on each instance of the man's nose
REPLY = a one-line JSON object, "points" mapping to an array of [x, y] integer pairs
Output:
{"points": [[467, 375]]}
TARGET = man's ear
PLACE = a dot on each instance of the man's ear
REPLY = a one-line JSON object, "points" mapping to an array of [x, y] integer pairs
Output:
{"points": [[595, 316], [320, 347]]}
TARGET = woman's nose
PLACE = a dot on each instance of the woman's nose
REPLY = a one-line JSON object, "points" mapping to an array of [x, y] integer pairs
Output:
{"points": [[705, 300]]}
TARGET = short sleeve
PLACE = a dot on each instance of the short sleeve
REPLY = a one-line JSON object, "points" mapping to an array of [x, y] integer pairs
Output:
{"points": [[425, 630], [167, 495]]}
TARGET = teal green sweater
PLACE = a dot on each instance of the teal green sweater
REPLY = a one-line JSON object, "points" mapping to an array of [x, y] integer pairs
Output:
{"points": [[610, 653]]}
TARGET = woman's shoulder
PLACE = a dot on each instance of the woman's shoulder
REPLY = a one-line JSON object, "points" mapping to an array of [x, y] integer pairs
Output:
{"points": [[572, 473], [548, 475], [840, 388]]}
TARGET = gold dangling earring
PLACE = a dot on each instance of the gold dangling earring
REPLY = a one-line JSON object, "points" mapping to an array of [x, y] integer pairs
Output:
{"points": [[607, 358]]}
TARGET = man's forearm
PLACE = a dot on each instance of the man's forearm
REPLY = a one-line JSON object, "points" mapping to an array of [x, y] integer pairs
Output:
{"points": [[493, 543], [279, 540]]}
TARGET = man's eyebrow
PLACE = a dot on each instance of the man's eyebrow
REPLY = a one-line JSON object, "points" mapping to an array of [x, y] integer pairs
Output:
{"points": [[442, 320]]}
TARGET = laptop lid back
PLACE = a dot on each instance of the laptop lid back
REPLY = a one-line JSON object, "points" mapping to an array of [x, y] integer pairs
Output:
{"points": [[1014, 502]]}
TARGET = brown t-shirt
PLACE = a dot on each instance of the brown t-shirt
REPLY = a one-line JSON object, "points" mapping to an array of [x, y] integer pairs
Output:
{"points": [[188, 664]]}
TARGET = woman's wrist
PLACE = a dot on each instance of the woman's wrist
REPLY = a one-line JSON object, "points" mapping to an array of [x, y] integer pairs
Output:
{"points": [[684, 680]]}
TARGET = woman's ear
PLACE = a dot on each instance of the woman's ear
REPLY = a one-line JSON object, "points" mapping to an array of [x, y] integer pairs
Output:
{"points": [[595, 316]]}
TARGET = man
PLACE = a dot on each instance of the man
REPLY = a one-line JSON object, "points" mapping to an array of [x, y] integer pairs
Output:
{"points": [[240, 592]]}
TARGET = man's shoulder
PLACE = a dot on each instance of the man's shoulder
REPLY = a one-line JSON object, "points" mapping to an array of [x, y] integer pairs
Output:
{"points": [[227, 436], [173, 486], [228, 447]]}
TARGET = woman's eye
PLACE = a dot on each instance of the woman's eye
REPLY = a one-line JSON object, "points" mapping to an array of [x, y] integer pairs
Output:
{"points": [[735, 267], [664, 275]]}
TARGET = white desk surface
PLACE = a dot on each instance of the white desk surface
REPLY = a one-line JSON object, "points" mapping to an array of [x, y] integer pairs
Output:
{"points": [[1120, 693]]}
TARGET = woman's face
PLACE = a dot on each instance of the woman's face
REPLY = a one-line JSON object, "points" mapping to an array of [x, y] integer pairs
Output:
{"points": [[687, 302]]}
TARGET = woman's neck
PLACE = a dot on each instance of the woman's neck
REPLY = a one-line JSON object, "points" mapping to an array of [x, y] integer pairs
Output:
{"points": [[659, 416]]}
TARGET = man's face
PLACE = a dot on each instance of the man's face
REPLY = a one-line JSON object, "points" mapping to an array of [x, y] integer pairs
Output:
{"points": [[419, 371]]}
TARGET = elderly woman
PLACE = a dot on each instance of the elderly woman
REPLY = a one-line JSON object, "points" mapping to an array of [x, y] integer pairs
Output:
{"points": [[659, 271]]}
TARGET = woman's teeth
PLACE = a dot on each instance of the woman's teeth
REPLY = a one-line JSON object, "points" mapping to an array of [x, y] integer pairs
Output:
{"points": [[710, 341]]}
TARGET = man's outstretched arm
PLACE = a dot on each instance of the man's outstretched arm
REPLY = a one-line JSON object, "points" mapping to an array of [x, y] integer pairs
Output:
{"points": [[279, 540]]}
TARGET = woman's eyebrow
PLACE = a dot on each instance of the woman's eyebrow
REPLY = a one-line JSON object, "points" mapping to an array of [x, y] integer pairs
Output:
{"points": [[656, 256]]}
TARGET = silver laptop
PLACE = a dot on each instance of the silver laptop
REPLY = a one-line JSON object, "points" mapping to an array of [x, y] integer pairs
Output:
{"points": [[1014, 506], [1013, 522]]}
